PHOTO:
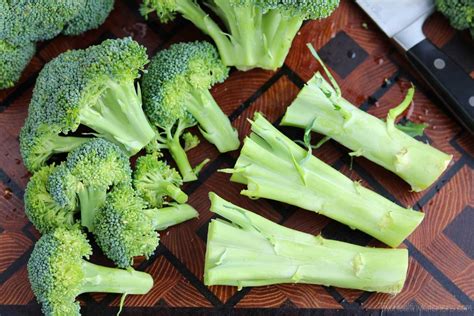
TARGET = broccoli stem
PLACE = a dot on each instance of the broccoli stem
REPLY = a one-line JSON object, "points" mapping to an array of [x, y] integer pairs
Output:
{"points": [[271, 164], [253, 251], [365, 134], [179, 156], [117, 115], [172, 215], [90, 200], [112, 280], [213, 123], [155, 183]]}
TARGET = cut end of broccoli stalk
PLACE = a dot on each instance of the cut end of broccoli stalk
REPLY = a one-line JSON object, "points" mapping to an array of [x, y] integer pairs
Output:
{"points": [[112, 280], [249, 250], [172, 215], [275, 167], [213, 123], [117, 115], [320, 107]]}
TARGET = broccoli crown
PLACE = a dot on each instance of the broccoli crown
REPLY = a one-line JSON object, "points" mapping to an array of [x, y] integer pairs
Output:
{"points": [[55, 270], [165, 9], [122, 230], [173, 74], [91, 16], [306, 9], [41, 206], [151, 178], [13, 59], [459, 12], [62, 186], [74, 80], [99, 163], [36, 20]]}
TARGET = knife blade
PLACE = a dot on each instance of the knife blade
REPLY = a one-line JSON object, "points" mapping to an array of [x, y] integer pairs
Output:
{"points": [[402, 21]]}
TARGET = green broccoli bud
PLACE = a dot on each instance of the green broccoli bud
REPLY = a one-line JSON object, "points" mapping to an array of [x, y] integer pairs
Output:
{"points": [[246, 249], [176, 96], [13, 59], [85, 87], [256, 33], [124, 228], [154, 181], [91, 16], [459, 12], [41, 196], [59, 272]]}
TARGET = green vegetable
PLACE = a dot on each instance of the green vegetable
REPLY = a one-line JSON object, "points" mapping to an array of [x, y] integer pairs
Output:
{"points": [[274, 167], [249, 250], [94, 87], [255, 34], [91, 16], [58, 272], [154, 180], [321, 108], [176, 96], [459, 12], [412, 129], [124, 228], [13, 59]]}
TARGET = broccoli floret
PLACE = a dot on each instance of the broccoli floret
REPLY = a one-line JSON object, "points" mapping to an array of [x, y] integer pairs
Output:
{"points": [[176, 96], [125, 228], [32, 21], [91, 16], [154, 181], [190, 141], [459, 12], [41, 200], [97, 166], [256, 33], [59, 272], [94, 87], [13, 59]]}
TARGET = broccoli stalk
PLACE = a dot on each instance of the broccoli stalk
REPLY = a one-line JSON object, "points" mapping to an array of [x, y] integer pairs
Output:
{"points": [[274, 167], [255, 34], [249, 250], [320, 107], [58, 272], [175, 214]]}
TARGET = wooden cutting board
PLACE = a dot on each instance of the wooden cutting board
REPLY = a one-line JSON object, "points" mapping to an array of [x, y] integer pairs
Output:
{"points": [[372, 75]]}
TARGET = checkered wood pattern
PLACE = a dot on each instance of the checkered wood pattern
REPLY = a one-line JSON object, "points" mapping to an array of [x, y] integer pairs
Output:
{"points": [[372, 75]]}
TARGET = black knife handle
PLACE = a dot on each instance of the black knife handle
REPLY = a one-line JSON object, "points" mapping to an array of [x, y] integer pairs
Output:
{"points": [[447, 79]]}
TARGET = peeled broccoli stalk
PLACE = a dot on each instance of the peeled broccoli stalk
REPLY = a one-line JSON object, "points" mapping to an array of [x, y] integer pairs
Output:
{"points": [[213, 123], [249, 250], [320, 108], [275, 167], [90, 200], [112, 280], [169, 216], [117, 115]]}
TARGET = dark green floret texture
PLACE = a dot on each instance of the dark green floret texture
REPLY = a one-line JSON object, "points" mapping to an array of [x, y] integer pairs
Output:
{"points": [[459, 12], [254, 33], [92, 15], [83, 87], [13, 59]]}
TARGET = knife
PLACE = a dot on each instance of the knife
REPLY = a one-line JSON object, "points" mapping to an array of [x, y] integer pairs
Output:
{"points": [[402, 21]]}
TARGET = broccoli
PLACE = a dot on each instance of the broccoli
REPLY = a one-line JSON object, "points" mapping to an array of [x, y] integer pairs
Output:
{"points": [[256, 33], [124, 228], [91, 16], [248, 250], [274, 167], [96, 166], [13, 59], [321, 108], [93, 87], [459, 12], [154, 180], [41, 200], [58, 272], [176, 96]]}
